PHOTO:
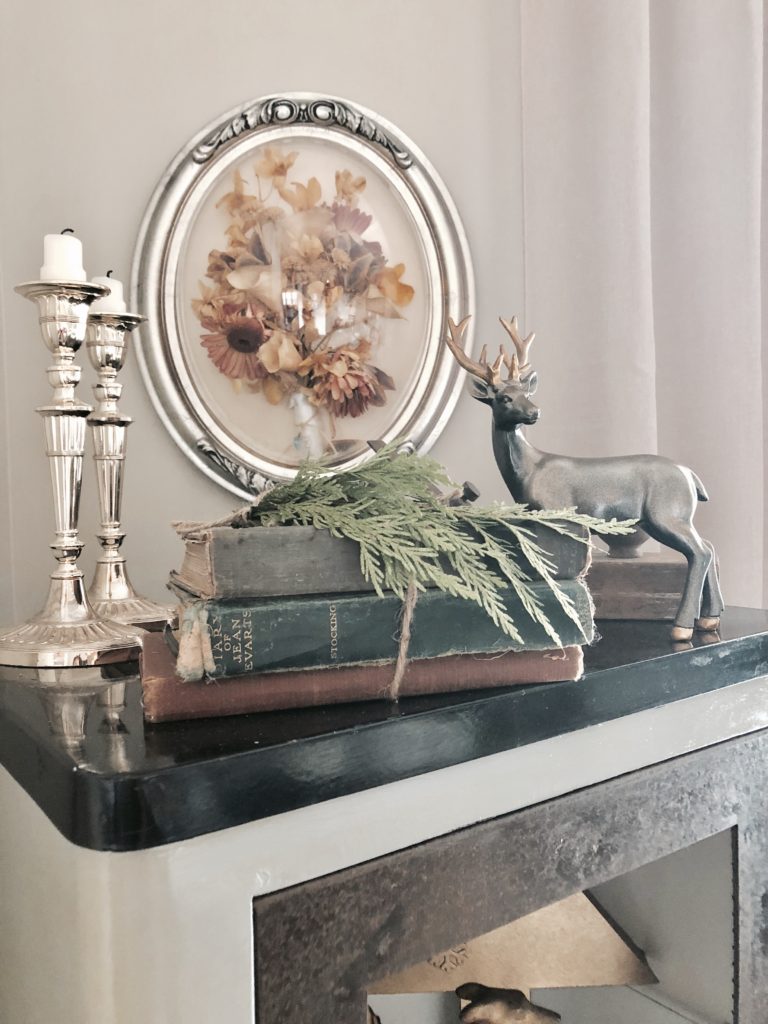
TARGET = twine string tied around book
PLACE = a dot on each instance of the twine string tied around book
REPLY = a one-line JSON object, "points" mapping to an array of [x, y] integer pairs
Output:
{"points": [[406, 620]]}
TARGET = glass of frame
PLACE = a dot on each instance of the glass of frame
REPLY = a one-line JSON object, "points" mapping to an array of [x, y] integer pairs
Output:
{"points": [[297, 264]]}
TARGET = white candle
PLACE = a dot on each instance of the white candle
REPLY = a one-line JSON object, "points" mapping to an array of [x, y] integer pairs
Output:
{"points": [[112, 303], [62, 259]]}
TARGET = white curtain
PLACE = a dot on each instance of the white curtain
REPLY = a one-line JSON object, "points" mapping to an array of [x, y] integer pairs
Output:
{"points": [[642, 168]]}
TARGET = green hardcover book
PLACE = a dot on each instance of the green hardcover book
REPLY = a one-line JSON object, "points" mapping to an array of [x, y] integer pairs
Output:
{"points": [[225, 563], [226, 638]]}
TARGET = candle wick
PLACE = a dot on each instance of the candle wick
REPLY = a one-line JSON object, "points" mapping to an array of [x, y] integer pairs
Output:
{"points": [[110, 273], [68, 231]]}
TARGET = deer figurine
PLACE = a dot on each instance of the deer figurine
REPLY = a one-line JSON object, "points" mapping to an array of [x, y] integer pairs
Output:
{"points": [[656, 491], [500, 1006]]}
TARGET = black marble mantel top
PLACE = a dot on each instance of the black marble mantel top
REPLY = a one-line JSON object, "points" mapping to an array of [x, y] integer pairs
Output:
{"points": [[125, 785]]}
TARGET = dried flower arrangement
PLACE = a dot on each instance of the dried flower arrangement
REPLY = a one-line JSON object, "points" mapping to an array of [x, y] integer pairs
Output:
{"points": [[294, 304]]}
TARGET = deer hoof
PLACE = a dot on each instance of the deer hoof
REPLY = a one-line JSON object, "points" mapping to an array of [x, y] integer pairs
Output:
{"points": [[679, 633], [708, 624]]}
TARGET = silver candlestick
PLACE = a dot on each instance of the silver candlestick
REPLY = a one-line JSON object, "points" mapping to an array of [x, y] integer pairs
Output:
{"points": [[67, 632], [111, 592]]}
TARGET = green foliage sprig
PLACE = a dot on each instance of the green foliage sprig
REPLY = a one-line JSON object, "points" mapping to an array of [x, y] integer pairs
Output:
{"points": [[394, 508]]}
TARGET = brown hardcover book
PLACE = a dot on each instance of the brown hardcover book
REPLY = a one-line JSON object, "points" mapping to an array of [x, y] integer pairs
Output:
{"points": [[647, 587], [167, 698]]}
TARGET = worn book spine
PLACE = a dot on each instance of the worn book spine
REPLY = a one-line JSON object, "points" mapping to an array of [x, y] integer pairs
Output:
{"points": [[272, 561], [166, 697], [647, 587], [230, 638]]}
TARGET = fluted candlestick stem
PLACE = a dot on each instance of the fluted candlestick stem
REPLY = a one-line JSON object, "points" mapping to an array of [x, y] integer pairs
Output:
{"points": [[111, 592]]}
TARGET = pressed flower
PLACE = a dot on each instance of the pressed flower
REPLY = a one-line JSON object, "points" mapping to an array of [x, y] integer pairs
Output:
{"points": [[234, 346], [247, 274], [348, 187], [303, 197], [309, 247], [256, 282], [220, 263], [275, 163], [270, 215], [348, 219], [341, 380], [238, 201], [214, 309], [389, 284], [280, 353]]}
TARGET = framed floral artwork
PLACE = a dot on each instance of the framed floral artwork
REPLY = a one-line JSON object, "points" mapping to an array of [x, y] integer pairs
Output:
{"points": [[297, 264]]}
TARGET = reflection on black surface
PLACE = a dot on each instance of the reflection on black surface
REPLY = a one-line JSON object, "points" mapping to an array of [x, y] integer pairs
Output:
{"points": [[82, 710], [136, 785], [72, 702], [620, 644]]}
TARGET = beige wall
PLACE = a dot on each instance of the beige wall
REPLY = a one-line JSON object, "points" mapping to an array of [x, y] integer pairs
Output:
{"points": [[96, 100]]}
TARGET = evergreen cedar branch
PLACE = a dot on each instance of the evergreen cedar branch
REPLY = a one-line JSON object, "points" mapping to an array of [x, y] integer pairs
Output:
{"points": [[393, 508]]}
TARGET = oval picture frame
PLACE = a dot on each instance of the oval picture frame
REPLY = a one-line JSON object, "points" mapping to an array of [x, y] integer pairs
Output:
{"points": [[297, 265]]}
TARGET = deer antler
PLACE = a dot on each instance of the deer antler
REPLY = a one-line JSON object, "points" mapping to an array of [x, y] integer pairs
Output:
{"points": [[522, 347], [454, 340], [512, 365]]}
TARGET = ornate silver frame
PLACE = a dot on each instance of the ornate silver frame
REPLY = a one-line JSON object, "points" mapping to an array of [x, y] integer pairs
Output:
{"points": [[159, 249]]}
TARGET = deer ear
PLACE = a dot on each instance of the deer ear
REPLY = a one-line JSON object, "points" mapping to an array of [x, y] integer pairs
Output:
{"points": [[531, 382], [481, 391]]}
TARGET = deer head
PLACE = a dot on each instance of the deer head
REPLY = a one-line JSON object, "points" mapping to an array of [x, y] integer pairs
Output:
{"points": [[509, 398], [500, 1006]]}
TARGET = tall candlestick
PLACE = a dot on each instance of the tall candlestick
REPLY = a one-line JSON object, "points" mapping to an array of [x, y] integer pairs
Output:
{"points": [[111, 592], [67, 632]]}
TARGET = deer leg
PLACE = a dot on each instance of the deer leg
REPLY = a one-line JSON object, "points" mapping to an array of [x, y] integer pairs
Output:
{"points": [[681, 536], [711, 598]]}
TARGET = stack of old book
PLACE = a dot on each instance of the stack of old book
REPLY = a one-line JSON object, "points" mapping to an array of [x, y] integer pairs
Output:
{"points": [[281, 617]]}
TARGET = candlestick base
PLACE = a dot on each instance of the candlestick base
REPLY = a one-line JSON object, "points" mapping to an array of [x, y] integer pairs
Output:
{"points": [[67, 633], [112, 596]]}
